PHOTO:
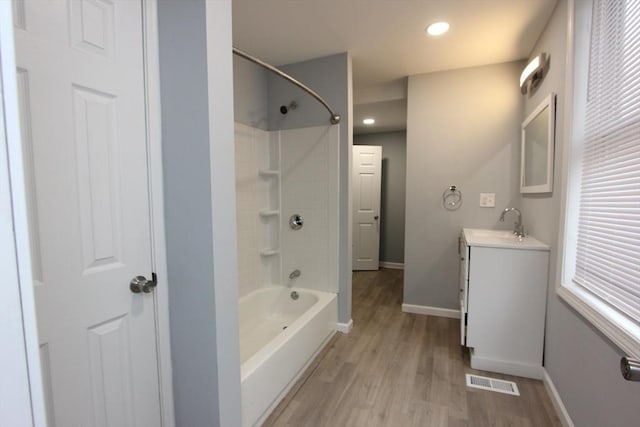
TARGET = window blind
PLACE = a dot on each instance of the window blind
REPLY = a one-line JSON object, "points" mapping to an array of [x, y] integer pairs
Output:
{"points": [[608, 240]]}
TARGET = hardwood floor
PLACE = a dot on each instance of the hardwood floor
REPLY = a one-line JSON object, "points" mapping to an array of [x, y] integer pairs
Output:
{"points": [[401, 369]]}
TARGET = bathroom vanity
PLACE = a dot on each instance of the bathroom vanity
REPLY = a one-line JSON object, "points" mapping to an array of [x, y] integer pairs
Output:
{"points": [[503, 287]]}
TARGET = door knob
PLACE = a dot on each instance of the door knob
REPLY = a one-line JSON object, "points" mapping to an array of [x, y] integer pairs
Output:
{"points": [[141, 284], [376, 217]]}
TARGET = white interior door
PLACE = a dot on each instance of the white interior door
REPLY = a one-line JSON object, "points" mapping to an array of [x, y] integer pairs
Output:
{"points": [[367, 174], [82, 101]]}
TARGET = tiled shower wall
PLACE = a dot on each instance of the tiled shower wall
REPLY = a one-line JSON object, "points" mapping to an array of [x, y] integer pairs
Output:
{"points": [[280, 173], [310, 180]]}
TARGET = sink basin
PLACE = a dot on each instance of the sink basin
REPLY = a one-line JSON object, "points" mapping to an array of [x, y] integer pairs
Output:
{"points": [[501, 239]]}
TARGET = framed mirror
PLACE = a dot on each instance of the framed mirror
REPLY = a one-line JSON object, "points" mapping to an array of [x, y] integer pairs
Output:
{"points": [[537, 149]]}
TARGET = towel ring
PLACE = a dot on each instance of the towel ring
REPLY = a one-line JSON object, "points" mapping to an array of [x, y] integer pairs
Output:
{"points": [[452, 198]]}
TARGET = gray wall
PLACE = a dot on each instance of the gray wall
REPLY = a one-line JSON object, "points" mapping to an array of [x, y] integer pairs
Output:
{"points": [[331, 78], [463, 129], [327, 76], [249, 93], [392, 204], [581, 362], [200, 367]]}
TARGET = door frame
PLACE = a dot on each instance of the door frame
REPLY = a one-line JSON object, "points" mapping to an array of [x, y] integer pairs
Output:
{"points": [[156, 205], [18, 206], [25, 403]]}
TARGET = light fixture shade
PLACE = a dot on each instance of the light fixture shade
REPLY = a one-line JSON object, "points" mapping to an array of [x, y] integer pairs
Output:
{"points": [[437, 28], [534, 72]]}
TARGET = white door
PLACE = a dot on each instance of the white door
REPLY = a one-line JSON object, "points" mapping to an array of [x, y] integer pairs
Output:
{"points": [[82, 100], [367, 172]]}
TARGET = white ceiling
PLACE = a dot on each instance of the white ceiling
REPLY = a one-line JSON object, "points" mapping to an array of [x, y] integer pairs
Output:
{"points": [[389, 116], [386, 38]]}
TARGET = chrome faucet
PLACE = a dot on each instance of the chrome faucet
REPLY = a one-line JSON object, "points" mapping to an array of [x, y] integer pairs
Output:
{"points": [[295, 273], [518, 230]]}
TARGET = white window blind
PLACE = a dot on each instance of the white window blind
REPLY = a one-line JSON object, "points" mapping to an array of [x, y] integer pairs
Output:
{"points": [[608, 240]]}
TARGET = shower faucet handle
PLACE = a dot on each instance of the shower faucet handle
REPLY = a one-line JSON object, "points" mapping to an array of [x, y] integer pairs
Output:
{"points": [[296, 221]]}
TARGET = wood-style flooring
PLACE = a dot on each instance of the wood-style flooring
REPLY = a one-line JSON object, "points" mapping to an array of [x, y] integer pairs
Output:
{"points": [[401, 369]]}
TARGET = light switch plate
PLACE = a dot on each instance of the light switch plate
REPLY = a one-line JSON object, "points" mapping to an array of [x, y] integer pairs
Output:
{"points": [[487, 200]]}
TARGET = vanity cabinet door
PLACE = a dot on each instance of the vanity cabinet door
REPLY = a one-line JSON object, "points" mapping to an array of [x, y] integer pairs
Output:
{"points": [[506, 308], [463, 281]]}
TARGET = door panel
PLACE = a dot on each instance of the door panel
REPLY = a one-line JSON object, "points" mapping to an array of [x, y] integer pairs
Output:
{"points": [[81, 84], [110, 375], [367, 171], [97, 179]]}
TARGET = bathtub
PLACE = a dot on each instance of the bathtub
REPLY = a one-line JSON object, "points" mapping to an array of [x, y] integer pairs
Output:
{"points": [[279, 337]]}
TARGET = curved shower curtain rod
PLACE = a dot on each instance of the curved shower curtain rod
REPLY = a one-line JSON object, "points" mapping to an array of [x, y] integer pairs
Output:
{"points": [[335, 118]]}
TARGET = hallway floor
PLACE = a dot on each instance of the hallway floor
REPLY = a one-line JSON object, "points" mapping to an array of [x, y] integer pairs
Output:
{"points": [[400, 369]]}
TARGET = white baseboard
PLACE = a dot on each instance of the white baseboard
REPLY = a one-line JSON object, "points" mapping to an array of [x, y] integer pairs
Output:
{"points": [[431, 311], [394, 265], [345, 328], [562, 412]]}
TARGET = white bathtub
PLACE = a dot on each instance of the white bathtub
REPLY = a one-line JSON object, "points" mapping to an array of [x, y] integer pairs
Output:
{"points": [[278, 338]]}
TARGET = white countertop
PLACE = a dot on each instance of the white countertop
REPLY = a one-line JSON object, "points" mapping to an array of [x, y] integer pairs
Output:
{"points": [[501, 239]]}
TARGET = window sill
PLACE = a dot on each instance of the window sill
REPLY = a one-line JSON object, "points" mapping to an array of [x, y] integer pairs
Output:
{"points": [[622, 331]]}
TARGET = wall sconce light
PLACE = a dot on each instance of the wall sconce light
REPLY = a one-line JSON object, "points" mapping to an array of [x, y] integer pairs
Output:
{"points": [[534, 73]]}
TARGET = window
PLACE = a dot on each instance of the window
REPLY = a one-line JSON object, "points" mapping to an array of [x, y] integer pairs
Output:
{"points": [[601, 269]]}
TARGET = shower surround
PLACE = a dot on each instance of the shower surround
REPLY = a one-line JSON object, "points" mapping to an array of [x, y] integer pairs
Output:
{"points": [[279, 174]]}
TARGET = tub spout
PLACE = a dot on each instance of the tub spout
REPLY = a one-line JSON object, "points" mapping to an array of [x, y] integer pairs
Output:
{"points": [[295, 273]]}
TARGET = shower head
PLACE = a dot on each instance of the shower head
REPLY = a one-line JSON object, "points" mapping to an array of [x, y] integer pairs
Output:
{"points": [[284, 109]]}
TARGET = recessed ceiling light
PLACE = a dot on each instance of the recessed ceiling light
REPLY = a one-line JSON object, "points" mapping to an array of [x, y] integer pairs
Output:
{"points": [[369, 121], [438, 28]]}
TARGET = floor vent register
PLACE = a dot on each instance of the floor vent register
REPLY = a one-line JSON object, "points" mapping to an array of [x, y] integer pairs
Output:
{"points": [[492, 384]]}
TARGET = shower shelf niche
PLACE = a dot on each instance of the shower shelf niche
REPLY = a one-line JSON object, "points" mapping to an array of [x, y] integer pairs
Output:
{"points": [[269, 252], [265, 213]]}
